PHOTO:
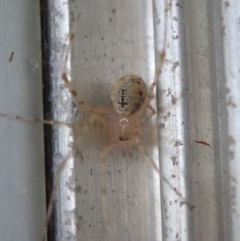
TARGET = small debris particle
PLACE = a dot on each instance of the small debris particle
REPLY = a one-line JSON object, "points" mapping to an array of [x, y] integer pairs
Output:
{"points": [[173, 100], [11, 57], [178, 143], [162, 125], [204, 143], [226, 4], [175, 65], [178, 5]]}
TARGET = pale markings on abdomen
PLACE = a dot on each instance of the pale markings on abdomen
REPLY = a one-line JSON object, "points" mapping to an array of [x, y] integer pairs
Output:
{"points": [[122, 98]]}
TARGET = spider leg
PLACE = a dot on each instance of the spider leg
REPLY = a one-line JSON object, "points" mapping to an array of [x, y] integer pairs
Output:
{"points": [[104, 123], [104, 110], [153, 112], [60, 168], [84, 128], [34, 120], [81, 103], [159, 65], [145, 104], [184, 201], [105, 210]]}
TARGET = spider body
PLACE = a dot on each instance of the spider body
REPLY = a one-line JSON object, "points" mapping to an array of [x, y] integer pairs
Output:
{"points": [[125, 128], [128, 93]]}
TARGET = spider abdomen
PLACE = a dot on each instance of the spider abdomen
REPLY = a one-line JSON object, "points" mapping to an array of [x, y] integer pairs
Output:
{"points": [[128, 93]]}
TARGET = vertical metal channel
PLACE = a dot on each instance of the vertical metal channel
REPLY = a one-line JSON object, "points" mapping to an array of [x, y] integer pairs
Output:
{"points": [[57, 105], [112, 39], [198, 102], [229, 89], [22, 179], [173, 123]]}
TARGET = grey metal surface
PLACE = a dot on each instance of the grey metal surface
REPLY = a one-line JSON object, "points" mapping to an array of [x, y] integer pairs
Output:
{"points": [[22, 188], [198, 102], [174, 122], [112, 39], [229, 87]]}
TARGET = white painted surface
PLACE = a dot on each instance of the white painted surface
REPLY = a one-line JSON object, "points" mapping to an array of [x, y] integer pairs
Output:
{"points": [[22, 188]]}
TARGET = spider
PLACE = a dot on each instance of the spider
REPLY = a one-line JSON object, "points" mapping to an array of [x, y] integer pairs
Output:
{"points": [[130, 101]]}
